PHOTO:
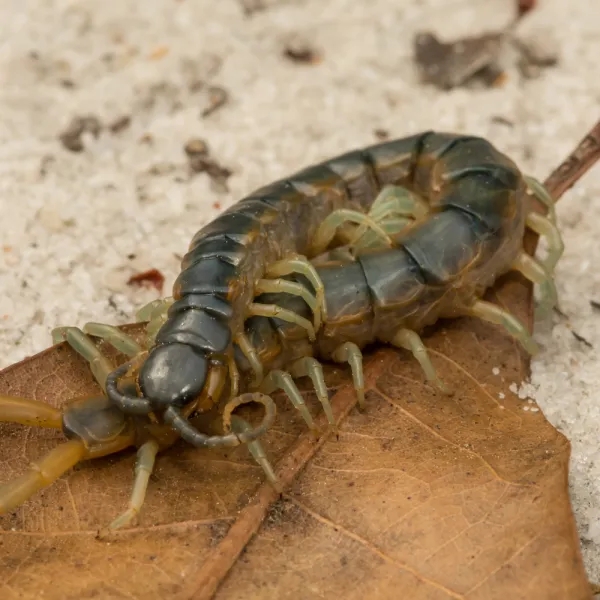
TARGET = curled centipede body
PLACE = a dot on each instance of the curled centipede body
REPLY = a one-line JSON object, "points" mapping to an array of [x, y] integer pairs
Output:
{"points": [[441, 263], [370, 246]]}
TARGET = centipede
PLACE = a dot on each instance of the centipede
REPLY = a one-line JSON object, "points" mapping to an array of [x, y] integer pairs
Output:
{"points": [[369, 247]]}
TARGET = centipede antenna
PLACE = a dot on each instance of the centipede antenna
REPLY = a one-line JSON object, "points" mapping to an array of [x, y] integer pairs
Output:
{"points": [[249, 397], [132, 405], [190, 434]]}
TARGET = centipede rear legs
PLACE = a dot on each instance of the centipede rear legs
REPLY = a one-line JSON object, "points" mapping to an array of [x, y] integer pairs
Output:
{"points": [[46, 470], [80, 341], [115, 432], [95, 428]]}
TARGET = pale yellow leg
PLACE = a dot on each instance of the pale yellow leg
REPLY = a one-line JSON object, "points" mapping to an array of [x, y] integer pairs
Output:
{"points": [[234, 374], [301, 265], [29, 412], [486, 311], [157, 317], [40, 475], [544, 227], [394, 209], [536, 272], [117, 338], [410, 340], [85, 347], [150, 310], [277, 286], [280, 380], [310, 367], [328, 228], [277, 312], [146, 457], [542, 194], [240, 426], [399, 201], [249, 351], [350, 353]]}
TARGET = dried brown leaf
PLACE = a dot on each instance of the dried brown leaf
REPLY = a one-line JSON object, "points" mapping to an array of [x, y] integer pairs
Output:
{"points": [[422, 497]]}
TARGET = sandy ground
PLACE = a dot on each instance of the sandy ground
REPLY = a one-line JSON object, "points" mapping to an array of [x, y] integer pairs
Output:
{"points": [[75, 226]]}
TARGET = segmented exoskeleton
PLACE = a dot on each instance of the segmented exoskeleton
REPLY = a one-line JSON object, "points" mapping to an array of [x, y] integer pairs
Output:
{"points": [[420, 227], [273, 231]]}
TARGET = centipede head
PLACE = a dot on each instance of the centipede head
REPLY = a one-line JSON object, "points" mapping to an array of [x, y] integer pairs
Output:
{"points": [[170, 375], [173, 375], [175, 380]]}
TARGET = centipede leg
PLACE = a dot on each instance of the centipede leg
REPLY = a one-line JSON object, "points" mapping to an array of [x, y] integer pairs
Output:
{"points": [[146, 312], [277, 312], [85, 347], [546, 228], [29, 412], [300, 264], [310, 367], [394, 209], [391, 225], [328, 228], [542, 194], [234, 375], [486, 311], [280, 380], [410, 340], [249, 351], [533, 270], [239, 426], [350, 353], [399, 201], [265, 286], [41, 474], [157, 317], [117, 338], [144, 465]]}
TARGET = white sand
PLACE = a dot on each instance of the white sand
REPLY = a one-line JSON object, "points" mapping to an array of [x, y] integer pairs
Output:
{"points": [[67, 235]]}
